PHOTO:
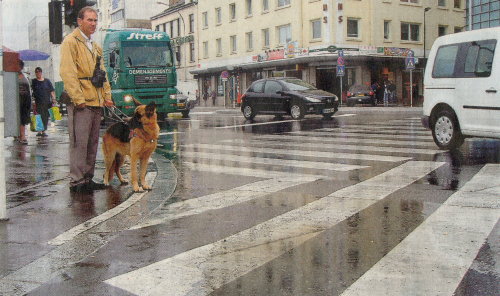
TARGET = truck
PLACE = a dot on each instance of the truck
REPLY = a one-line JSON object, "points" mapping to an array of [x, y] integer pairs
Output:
{"points": [[140, 65]]}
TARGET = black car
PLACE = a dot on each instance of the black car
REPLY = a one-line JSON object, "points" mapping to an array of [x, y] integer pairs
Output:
{"points": [[292, 96], [361, 94]]}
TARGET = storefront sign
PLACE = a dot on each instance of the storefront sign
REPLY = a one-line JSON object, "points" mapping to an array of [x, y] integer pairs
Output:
{"points": [[275, 54], [394, 51], [182, 40]]}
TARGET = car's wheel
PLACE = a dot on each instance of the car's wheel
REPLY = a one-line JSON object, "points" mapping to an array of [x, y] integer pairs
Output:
{"points": [[248, 111], [185, 114], [297, 110], [446, 131]]}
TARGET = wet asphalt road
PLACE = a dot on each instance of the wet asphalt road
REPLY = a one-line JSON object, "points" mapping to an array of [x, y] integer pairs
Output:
{"points": [[270, 207]]}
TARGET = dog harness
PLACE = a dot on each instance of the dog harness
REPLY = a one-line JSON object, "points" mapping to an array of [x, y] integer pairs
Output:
{"points": [[140, 136]]}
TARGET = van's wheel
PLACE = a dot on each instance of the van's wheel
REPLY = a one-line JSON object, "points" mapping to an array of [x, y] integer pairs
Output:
{"points": [[248, 111], [185, 114], [446, 131], [297, 110]]}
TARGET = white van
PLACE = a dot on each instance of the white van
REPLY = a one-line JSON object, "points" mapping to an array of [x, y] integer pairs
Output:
{"points": [[462, 87]]}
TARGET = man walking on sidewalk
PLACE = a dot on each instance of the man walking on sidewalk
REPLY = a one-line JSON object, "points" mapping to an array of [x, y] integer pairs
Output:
{"points": [[79, 55]]}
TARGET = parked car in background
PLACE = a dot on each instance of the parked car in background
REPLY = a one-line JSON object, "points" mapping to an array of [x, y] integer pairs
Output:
{"points": [[462, 87], [361, 94], [287, 96]]}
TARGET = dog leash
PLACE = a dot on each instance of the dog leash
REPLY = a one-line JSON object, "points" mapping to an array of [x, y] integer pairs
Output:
{"points": [[113, 111]]}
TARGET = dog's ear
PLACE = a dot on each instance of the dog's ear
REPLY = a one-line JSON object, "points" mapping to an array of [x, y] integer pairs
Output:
{"points": [[135, 121], [151, 107], [136, 102]]}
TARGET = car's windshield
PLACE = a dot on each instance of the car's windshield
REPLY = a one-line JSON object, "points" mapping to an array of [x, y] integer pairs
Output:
{"points": [[147, 54], [297, 84], [359, 88]]}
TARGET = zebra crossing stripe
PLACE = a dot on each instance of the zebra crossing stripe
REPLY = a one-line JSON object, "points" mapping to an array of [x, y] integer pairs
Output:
{"points": [[221, 200], [339, 132], [219, 169], [192, 272], [277, 162], [374, 130], [302, 153], [433, 259]]}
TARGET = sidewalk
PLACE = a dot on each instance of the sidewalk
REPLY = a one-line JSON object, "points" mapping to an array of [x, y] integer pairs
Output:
{"points": [[40, 207]]}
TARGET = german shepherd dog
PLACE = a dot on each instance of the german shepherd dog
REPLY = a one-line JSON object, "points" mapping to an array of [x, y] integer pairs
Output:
{"points": [[138, 139]]}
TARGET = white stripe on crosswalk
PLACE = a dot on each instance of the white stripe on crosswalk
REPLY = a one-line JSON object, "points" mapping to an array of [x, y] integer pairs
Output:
{"points": [[343, 133], [221, 200], [268, 174], [273, 161], [331, 155], [192, 272], [433, 259], [374, 130]]}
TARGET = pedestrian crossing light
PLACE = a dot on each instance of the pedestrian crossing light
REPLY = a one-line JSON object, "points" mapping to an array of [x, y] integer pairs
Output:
{"points": [[71, 9]]}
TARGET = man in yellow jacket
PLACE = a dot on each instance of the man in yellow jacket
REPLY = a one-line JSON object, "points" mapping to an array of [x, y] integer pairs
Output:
{"points": [[79, 55]]}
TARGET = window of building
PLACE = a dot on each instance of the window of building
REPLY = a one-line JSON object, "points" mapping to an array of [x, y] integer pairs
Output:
{"points": [[316, 29], [352, 28], [284, 34], [441, 30], [205, 19], [441, 3], [191, 52], [265, 38], [117, 15], [205, 49], [178, 55], [249, 7], [232, 11], [410, 32], [178, 25], [218, 16], [282, 3], [457, 3], [157, 28], [410, 1], [265, 5], [457, 30], [218, 46], [249, 39], [191, 23], [234, 47], [387, 30]]}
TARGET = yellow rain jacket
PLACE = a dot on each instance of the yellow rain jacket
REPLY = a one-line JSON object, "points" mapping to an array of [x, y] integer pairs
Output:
{"points": [[77, 66]]}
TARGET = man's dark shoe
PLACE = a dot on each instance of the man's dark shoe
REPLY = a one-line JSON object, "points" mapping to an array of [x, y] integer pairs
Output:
{"points": [[96, 186], [81, 188]]}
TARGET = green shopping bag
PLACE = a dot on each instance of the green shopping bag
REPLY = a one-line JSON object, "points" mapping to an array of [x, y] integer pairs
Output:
{"points": [[55, 114]]}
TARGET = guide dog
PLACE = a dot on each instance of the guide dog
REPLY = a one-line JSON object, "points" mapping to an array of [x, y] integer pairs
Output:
{"points": [[138, 139]]}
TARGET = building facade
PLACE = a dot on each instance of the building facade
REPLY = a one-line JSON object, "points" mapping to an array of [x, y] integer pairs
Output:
{"points": [[241, 41], [483, 14], [180, 23]]}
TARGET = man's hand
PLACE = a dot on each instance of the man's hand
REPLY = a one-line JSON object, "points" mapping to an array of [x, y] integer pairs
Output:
{"points": [[80, 106], [108, 103]]}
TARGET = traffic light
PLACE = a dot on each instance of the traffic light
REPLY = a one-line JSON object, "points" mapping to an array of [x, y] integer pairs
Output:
{"points": [[55, 22], [71, 9]]}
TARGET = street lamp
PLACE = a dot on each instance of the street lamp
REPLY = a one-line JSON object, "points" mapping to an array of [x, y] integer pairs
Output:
{"points": [[425, 10], [183, 35]]}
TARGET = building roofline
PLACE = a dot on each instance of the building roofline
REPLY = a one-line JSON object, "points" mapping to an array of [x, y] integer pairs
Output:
{"points": [[173, 9]]}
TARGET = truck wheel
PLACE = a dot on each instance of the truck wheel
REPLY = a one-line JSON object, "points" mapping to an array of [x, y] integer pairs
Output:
{"points": [[185, 114], [297, 110], [248, 112], [446, 131]]}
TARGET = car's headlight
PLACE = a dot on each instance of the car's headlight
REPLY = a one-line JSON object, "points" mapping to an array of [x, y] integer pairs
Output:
{"points": [[335, 98], [313, 100], [173, 96], [128, 98]]}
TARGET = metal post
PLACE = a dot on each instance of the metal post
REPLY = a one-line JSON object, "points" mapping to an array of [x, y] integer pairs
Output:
{"points": [[3, 193], [411, 88], [425, 10], [340, 90]]}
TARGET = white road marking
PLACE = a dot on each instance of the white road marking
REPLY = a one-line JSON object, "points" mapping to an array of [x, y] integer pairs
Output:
{"points": [[433, 259], [273, 122], [70, 234], [342, 133], [170, 133], [272, 161], [221, 200], [331, 155], [202, 270], [268, 174]]}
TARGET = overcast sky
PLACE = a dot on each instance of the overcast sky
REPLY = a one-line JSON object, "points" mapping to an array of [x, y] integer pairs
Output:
{"points": [[16, 14]]}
